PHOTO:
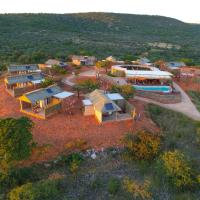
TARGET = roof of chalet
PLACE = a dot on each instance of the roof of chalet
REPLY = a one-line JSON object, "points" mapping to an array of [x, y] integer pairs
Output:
{"points": [[175, 64], [153, 73], [144, 60], [52, 62], [24, 78], [18, 68], [42, 93], [102, 102], [75, 57]]}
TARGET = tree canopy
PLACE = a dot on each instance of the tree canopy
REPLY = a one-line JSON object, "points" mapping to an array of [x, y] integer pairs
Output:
{"points": [[15, 141]]}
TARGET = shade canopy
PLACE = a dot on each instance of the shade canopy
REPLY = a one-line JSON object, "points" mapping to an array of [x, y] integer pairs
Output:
{"points": [[87, 102], [63, 95]]}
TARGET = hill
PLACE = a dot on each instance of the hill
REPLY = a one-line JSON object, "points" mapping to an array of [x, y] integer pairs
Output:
{"points": [[34, 37]]}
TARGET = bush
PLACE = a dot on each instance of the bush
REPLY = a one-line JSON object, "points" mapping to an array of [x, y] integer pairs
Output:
{"points": [[113, 185], [136, 189], [74, 160], [18, 177], [47, 82], [23, 192], [176, 168], [127, 91], [45, 190], [142, 145]]}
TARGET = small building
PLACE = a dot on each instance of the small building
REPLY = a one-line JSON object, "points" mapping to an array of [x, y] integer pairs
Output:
{"points": [[19, 84], [83, 60], [175, 65], [140, 72], [44, 102], [22, 69], [107, 106], [52, 62]]}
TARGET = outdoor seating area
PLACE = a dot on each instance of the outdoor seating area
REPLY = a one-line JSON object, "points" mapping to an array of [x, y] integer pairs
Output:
{"points": [[44, 102]]}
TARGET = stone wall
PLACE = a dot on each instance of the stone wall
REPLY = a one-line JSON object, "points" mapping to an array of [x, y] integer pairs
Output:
{"points": [[174, 97]]}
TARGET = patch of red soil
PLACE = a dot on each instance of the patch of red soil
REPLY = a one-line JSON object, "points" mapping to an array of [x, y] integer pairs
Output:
{"points": [[63, 128], [188, 84]]}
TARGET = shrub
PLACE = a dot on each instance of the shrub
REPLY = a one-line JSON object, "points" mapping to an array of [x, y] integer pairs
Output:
{"points": [[176, 168], [47, 82], [136, 189], [114, 185], [74, 160], [45, 190], [142, 145], [18, 177], [23, 192], [127, 91]]}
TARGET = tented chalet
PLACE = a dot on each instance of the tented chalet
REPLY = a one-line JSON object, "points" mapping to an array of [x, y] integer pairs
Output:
{"points": [[83, 60], [22, 69], [44, 102], [19, 84], [53, 62], [107, 106]]}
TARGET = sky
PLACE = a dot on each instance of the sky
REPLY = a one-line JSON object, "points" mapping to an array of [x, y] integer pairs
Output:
{"points": [[185, 10]]}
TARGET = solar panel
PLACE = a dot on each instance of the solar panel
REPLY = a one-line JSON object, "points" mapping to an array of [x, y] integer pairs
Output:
{"points": [[109, 106], [49, 90], [30, 77]]}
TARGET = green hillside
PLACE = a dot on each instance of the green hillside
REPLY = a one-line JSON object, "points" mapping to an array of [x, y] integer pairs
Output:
{"points": [[35, 37]]}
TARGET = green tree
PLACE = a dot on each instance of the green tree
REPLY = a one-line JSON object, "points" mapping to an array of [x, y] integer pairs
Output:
{"points": [[47, 82], [104, 64], [86, 85], [15, 141]]}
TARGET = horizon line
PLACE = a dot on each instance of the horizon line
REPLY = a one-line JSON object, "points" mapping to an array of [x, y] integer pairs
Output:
{"points": [[10, 13]]}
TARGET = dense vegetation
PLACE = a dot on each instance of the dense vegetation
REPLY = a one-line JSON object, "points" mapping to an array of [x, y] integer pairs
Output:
{"points": [[32, 38]]}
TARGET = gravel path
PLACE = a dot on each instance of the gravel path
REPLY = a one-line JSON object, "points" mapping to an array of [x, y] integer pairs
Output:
{"points": [[186, 107]]}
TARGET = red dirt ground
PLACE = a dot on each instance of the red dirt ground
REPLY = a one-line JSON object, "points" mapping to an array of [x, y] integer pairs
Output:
{"points": [[188, 84], [61, 128]]}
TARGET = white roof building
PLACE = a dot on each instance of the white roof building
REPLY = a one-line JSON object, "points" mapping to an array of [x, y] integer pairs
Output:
{"points": [[145, 72]]}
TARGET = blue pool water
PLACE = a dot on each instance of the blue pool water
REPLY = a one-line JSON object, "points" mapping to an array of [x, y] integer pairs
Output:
{"points": [[164, 89]]}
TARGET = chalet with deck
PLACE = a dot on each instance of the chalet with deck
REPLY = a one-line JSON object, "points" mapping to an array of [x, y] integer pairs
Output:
{"points": [[19, 84], [52, 62], [107, 107], [44, 102], [84, 60], [22, 69]]}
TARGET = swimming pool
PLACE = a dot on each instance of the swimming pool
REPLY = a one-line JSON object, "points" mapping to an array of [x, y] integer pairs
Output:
{"points": [[164, 89]]}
